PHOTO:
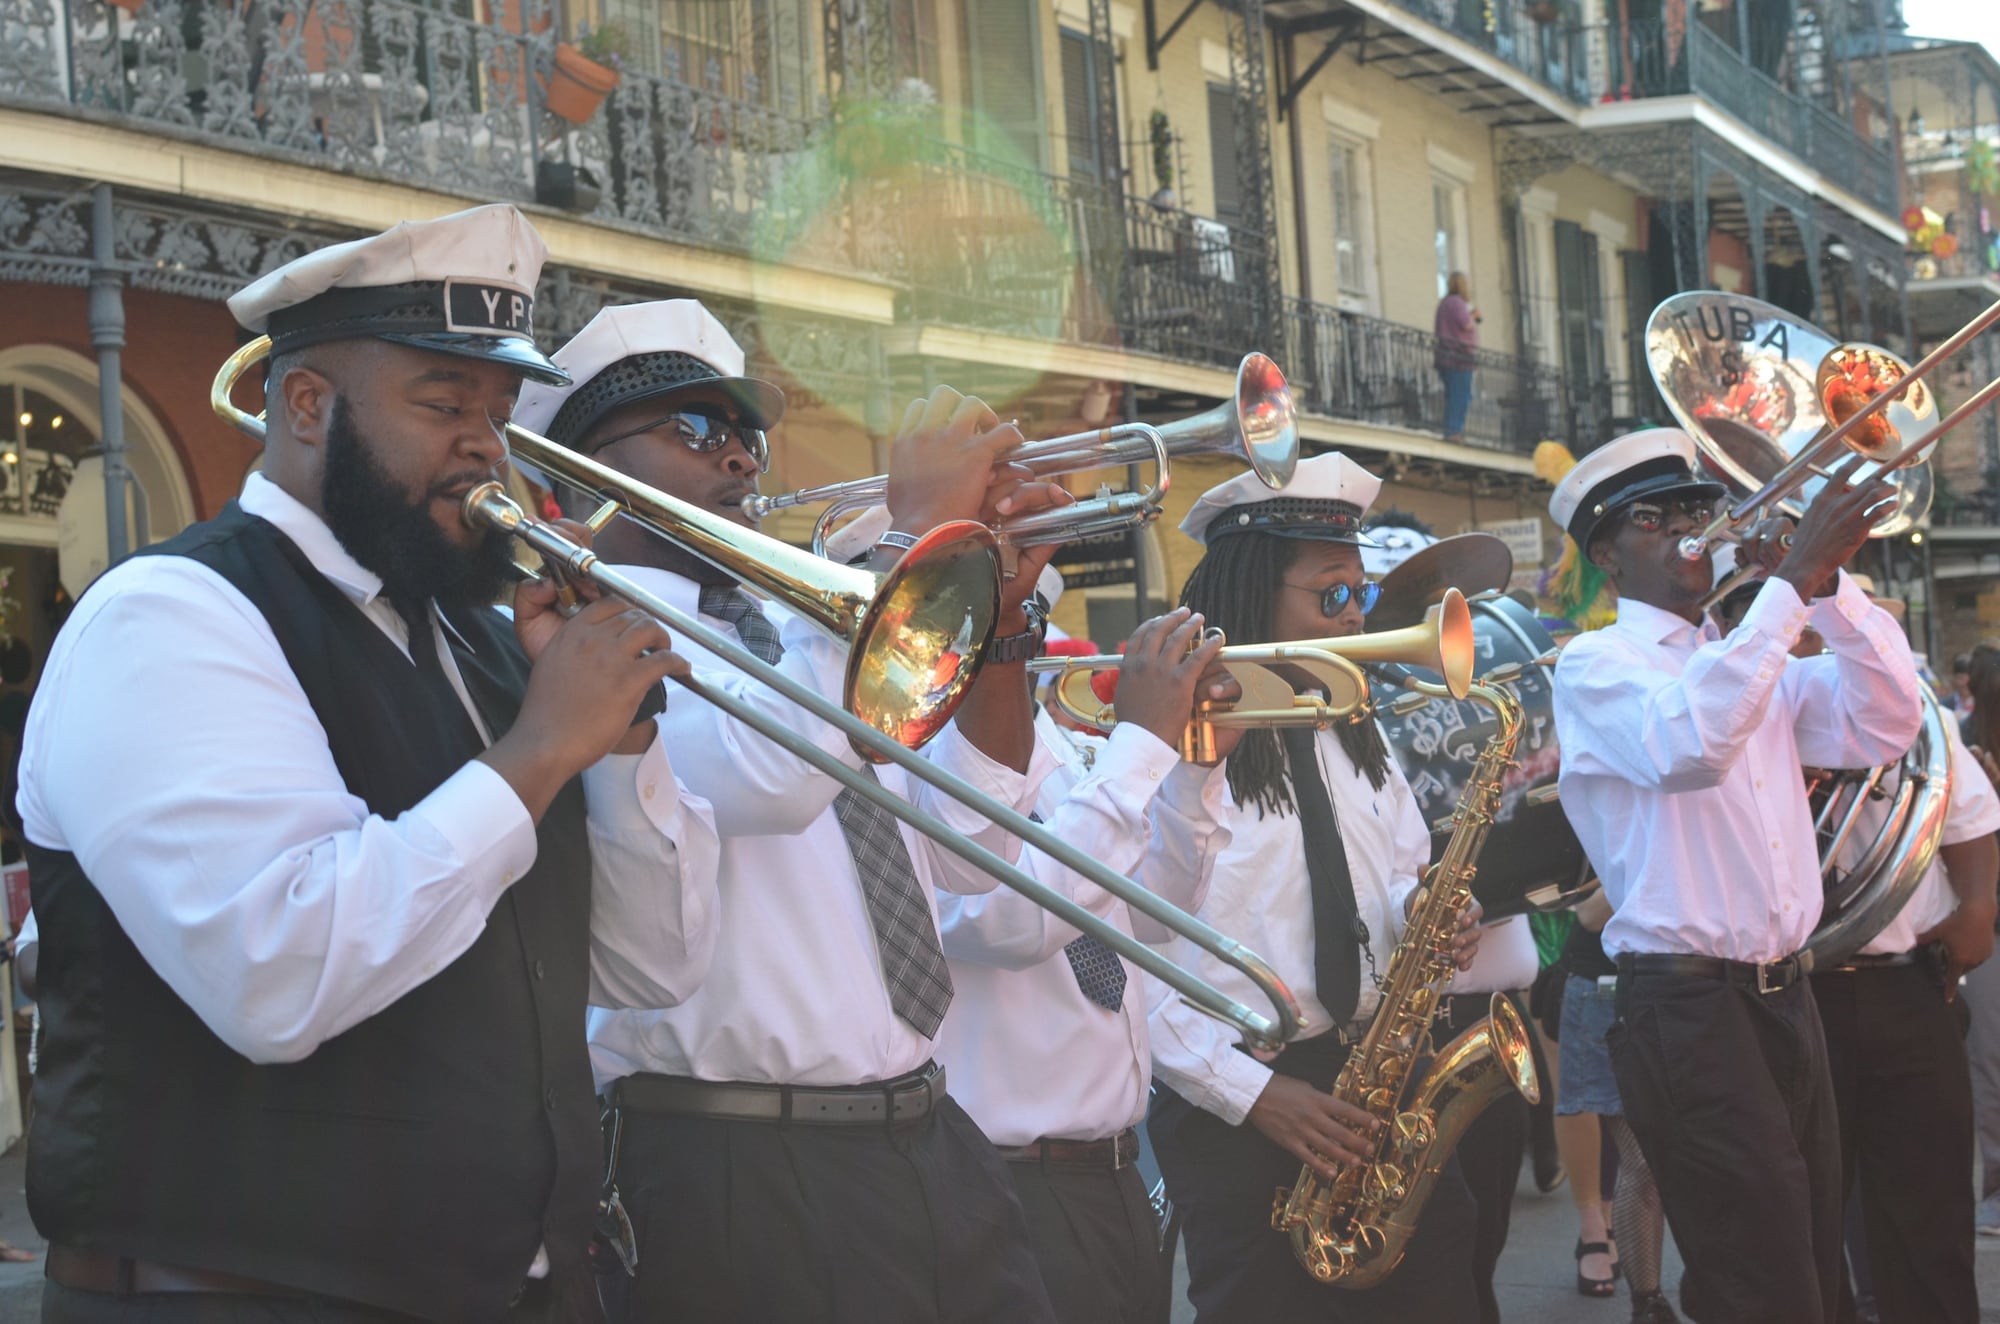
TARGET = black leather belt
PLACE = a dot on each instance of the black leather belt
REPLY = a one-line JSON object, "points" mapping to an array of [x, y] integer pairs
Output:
{"points": [[905, 1099], [1883, 961], [100, 1271], [1770, 977], [1120, 1151]]}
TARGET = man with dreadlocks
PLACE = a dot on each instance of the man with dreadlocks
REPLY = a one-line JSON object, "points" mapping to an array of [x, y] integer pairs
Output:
{"points": [[1325, 847]]}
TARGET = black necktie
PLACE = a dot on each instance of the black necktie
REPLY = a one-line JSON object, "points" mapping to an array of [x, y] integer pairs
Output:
{"points": [[1336, 923], [1100, 975], [906, 937], [424, 647]]}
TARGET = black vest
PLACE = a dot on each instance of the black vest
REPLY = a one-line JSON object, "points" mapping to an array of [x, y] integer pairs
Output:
{"points": [[416, 1161]]}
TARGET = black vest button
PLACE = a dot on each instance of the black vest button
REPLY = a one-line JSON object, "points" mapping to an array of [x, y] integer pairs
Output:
{"points": [[549, 1098], [540, 970]]}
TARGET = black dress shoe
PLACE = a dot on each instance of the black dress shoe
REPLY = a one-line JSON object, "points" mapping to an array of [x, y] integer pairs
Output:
{"points": [[1652, 1308]]}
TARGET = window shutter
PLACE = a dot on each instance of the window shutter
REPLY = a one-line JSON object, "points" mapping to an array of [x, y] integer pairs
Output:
{"points": [[1001, 41], [1223, 161]]}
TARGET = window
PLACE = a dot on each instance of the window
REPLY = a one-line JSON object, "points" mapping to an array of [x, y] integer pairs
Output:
{"points": [[1448, 229], [1083, 65], [1580, 302], [1350, 171], [1002, 51], [1224, 164]]}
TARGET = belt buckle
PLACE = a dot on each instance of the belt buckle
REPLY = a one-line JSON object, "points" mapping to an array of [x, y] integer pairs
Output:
{"points": [[1764, 984], [1118, 1159]]}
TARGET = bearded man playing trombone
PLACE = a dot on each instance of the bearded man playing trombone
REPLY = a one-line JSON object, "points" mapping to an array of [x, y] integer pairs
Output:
{"points": [[320, 896], [786, 1145]]}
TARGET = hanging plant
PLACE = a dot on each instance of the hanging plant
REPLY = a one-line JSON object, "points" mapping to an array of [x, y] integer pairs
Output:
{"points": [[1982, 170]]}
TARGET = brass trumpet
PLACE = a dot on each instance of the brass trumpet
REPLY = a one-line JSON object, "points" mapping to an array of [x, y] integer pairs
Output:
{"points": [[877, 632], [1336, 684], [1256, 425]]}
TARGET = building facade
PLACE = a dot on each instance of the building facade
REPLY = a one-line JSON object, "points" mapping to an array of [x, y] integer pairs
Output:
{"points": [[1083, 210]]}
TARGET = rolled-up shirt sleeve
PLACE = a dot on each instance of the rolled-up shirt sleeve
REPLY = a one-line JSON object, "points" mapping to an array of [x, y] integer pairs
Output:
{"points": [[654, 856], [1196, 1055], [173, 752]]}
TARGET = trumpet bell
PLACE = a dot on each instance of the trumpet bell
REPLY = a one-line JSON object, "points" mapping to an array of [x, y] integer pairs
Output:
{"points": [[1258, 422]]}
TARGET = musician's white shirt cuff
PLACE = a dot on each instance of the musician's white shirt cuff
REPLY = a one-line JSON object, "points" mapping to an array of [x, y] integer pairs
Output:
{"points": [[485, 823]]}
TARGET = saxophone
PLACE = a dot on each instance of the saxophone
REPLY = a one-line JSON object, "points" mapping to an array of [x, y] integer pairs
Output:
{"points": [[1354, 1230]]}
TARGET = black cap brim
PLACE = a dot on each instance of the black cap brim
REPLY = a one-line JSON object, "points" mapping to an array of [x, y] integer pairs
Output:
{"points": [[752, 402], [509, 351], [1585, 525]]}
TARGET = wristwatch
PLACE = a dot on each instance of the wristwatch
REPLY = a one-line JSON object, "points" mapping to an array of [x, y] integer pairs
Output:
{"points": [[1028, 643]]}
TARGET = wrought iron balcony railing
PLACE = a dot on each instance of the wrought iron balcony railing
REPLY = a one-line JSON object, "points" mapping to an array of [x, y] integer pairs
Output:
{"points": [[1347, 365], [1532, 37], [1649, 59], [998, 246], [444, 93]]}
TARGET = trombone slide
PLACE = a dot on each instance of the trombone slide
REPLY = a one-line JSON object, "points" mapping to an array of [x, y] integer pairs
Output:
{"points": [[488, 506]]}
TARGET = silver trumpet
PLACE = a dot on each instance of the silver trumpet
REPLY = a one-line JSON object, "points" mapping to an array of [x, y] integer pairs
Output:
{"points": [[1255, 425]]}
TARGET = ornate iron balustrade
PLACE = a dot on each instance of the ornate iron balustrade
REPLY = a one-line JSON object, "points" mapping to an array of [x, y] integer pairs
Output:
{"points": [[1646, 59], [1347, 365], [1548, 51], [997, 246], [427, 92]]}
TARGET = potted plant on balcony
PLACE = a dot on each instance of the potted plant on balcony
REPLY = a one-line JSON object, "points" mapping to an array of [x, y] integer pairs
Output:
{"points": [[587, 70], [1161, 131]]}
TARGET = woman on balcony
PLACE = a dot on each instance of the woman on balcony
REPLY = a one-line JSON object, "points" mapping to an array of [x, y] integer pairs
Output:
{"points": [[1457, 342]]}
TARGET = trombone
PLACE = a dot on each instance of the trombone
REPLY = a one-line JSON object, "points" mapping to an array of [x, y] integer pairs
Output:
{"points": [[1256, 425], [488, 506], [1332, 668], [1869, 431]]}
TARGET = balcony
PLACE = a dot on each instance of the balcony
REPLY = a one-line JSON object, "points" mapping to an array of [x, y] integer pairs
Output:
{"points": [[995, 246], [1636, 61], [447, 95], [1346, 365]]}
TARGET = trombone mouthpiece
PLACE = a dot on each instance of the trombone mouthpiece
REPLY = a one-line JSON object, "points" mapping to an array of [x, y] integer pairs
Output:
{"points": [[1693, 546]]}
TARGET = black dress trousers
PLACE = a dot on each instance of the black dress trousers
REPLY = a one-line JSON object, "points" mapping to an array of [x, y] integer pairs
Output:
{"points": [[1096, 1241], [1728, 1093], [1489, 1154], [756, 1222], [1240, 1271], [1897, 1053]]}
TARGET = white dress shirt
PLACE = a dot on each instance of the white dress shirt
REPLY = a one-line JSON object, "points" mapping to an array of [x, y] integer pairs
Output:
{"points": [[1506, 961], [795, 993], [172, 751], [1973, 812], [1261, 895], [1681, 753], [1029, 1055]]}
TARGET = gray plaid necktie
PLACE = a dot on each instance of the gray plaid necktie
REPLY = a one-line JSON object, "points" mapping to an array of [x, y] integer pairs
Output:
{"points": [[905, 934], [1099, 972]]}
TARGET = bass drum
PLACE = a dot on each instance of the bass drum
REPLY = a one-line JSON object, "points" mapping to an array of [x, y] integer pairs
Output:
{"points": [[1532, 860]]}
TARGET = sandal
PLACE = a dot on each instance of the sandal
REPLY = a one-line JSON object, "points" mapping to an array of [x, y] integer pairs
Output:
{"points": [[1593, 1286]]}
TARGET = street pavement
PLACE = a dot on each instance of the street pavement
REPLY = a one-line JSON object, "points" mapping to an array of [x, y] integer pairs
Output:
{"points": [[1536, 1280]]}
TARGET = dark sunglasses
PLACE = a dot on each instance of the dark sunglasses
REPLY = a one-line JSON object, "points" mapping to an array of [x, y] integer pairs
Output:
{"points": [[1334, 598], [1651, 516], [703, 435]]}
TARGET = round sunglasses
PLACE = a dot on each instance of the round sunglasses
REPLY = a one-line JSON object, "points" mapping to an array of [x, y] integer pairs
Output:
{"points": [[1334, 598], [1651, 516]]}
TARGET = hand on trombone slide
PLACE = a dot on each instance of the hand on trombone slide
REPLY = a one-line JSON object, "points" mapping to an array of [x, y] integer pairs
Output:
{"points": [[594, 663]]}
